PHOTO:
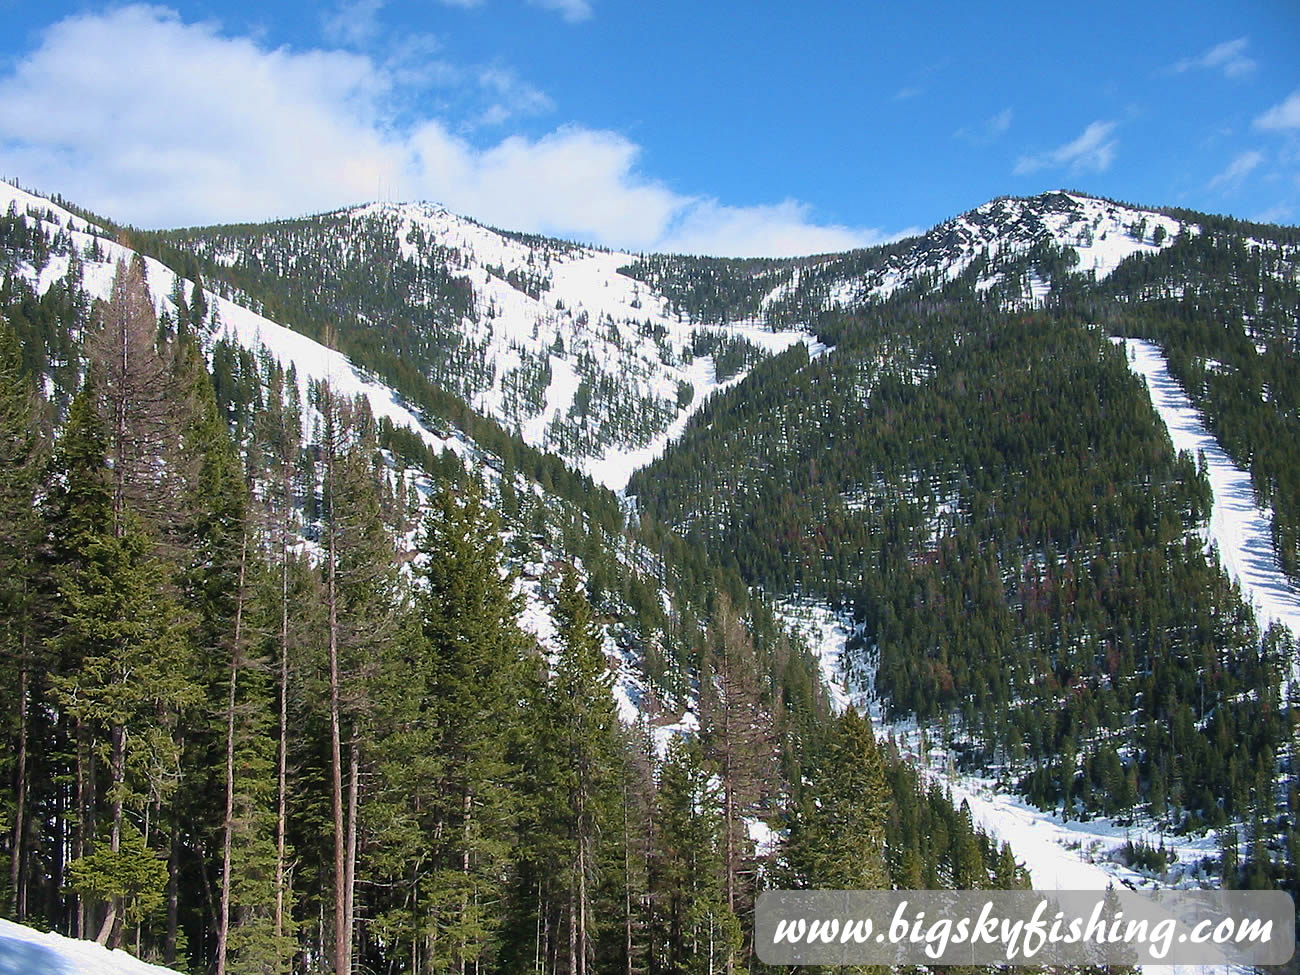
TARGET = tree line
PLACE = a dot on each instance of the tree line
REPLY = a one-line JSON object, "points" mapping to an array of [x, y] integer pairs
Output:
{"points": [[244, 739]]}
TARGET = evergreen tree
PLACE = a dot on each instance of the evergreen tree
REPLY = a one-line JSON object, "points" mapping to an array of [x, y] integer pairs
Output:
{"points": [[477, 675], [837, 838], [20, 461], [361, 601], [137, 399], [739, 737], [585, 737], [699, 931], [126, 640]]}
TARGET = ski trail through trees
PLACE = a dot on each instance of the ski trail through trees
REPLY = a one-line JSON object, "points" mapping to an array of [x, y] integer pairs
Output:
{"points": [[1238, 529]]}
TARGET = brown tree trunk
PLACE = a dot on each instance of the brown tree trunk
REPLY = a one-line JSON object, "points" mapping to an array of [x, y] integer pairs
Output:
{"points": [[281, 819], [85, 812], [467, 808], [627, 882], [173, 896], [342, 938], [227, 834], [17, 874], [573, 929], [110, 929], [350, 870]]}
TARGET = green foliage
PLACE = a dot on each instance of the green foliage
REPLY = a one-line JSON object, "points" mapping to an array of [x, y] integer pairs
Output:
{"points": [[989, 491], [1143, 856], [1224, 312], [133, 873], [711, 290], [837, 840], [703, 933]]}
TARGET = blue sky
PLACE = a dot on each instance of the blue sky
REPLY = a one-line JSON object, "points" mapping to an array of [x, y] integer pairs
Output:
{"points": [[755, 128]]}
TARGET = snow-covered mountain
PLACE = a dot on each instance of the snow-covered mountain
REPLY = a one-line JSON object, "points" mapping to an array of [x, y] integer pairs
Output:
{"points": [[1082, 233], [602, 358], [82, 255], [549, 338], [96, 266], [554, 341], [561, 343]]}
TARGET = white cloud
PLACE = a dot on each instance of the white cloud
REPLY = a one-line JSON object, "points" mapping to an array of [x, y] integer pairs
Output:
{"points": [[242, 132], [1237, 170], [988, 131], [571, 10], [780, 230], [573, 180], [230, 132], [1229, 57], [353, 22], [1282, 116], [1282, 213], [999, 123], [510, 96], [1094, 150]]}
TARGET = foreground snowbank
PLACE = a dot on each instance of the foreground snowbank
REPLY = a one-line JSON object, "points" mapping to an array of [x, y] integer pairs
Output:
{"points": [[26, 951]]}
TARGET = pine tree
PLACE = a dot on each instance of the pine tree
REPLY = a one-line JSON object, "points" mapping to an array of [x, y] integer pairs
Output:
{"points": [[586, 743], [19, 533], [739, 735], [77, 507], [137, 400], [198, 311], [277, 437], [222, 546], [837, 839], [478, 665], [700, 932], [126, 640], [361, 599]]}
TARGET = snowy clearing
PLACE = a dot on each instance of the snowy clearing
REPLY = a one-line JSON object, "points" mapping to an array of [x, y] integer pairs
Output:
{"points": [[1239, 530]]}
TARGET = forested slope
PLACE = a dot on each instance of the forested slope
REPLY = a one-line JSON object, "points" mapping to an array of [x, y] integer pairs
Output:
{"points": [[973, 470], [300, 686]]}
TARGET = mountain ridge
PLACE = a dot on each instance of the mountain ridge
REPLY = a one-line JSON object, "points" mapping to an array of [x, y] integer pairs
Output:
{"points": [[935, 444]]}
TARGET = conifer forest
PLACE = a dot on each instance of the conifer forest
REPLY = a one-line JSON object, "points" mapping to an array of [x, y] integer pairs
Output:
{"points": [[332, 645]]}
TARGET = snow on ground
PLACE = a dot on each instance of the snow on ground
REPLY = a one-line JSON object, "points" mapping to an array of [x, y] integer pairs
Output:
{"points": [[1103, 234], [559, 394], [1100, 232], [11, 195], [1059, 855], [766, 840], [1239, 530], [615, 468], [826, 633], [26, 951], [247, 328], [315, 361], [591, 320], [618, 464], [633, 698]]}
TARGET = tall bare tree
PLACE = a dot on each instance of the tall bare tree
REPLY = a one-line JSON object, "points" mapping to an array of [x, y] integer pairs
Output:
{"points": [[136, 399]]}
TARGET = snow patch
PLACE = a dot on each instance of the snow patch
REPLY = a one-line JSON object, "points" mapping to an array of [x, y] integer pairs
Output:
{"points": [[26, 951], [1239, 530]]}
